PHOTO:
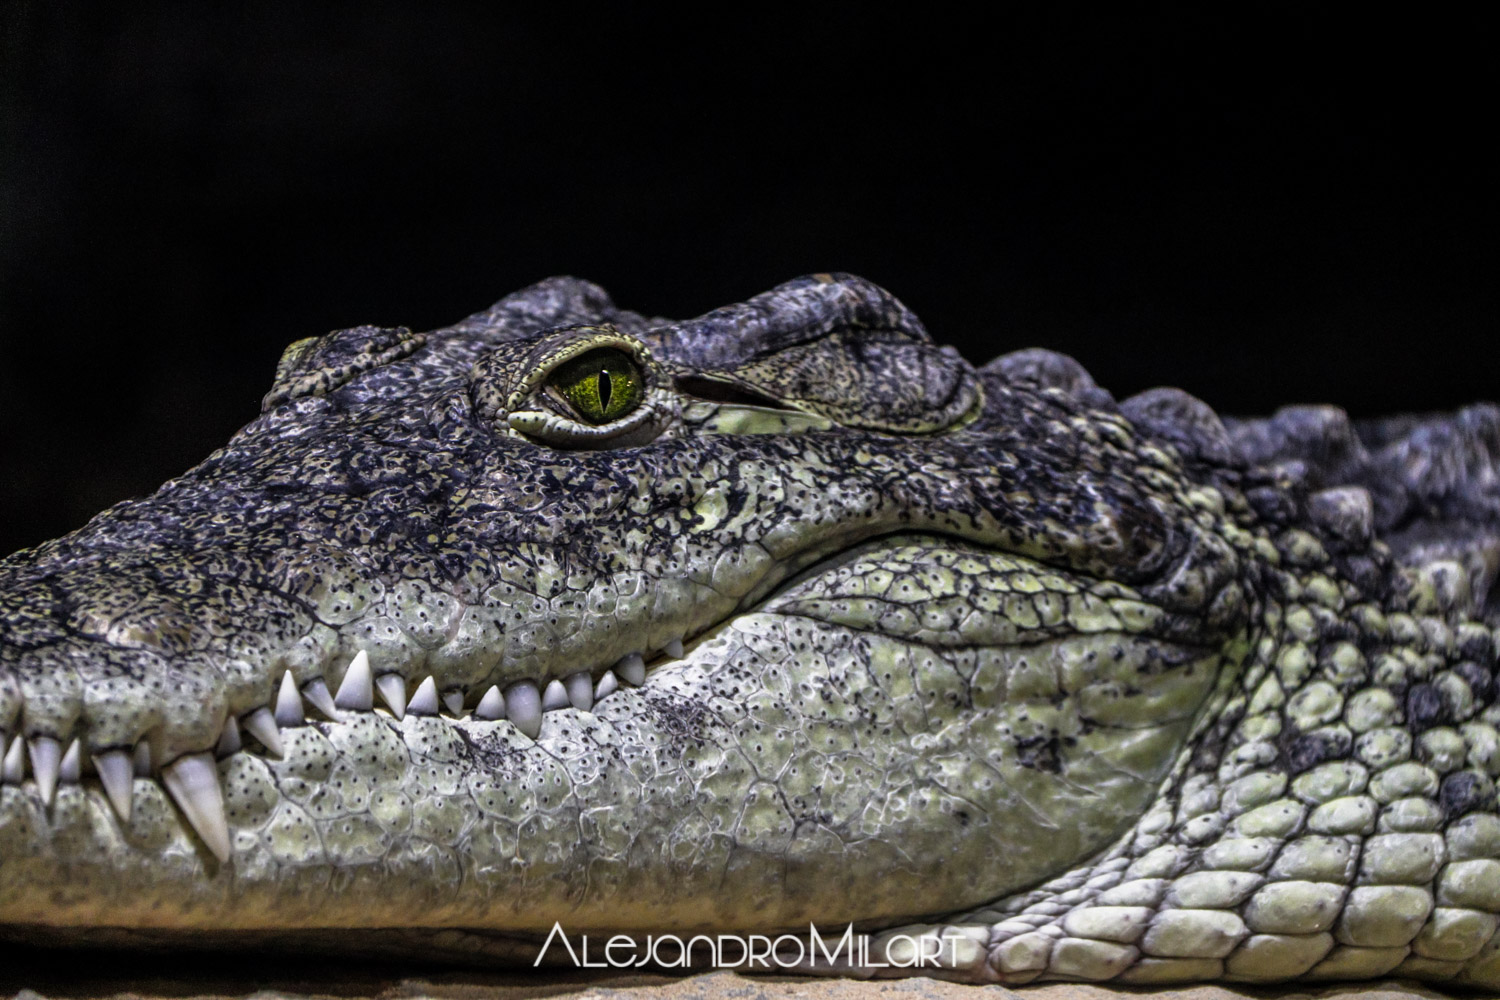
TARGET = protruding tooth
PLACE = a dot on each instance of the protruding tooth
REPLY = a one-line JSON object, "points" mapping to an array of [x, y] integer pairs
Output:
{"points": [[673, 649], [492, 705], [580, 690], [13, 770], [453, 701], [554, 696], [46, 758], [632, 669], [289, 710], [116, 774], [357, 689], [262, 725], [608, 685], [71, 767], [392, 688], [315, 692], [229, 739], [193, 783], [425, 701], [142, 759], [523, 706]]}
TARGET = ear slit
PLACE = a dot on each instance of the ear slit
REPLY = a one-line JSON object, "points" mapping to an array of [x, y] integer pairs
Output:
{"points": [[723, 392]]}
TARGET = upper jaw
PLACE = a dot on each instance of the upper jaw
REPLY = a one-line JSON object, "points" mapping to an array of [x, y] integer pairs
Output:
{"points": [[126, 691]]}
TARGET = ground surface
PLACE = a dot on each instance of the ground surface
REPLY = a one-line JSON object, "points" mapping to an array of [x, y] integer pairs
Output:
{"points": [[58, 975]]}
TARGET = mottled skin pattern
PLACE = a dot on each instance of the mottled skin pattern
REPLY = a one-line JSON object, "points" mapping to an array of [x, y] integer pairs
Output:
{"points": [[1115, 690]]}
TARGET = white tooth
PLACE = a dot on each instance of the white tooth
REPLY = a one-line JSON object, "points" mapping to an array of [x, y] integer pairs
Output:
{"points": [[316, 694], [262, 725], [392, 688], [289, 711], [13, 770], [71, 766], [608, 685], [632, 669], [425, 701], [142, 759], [453, 701], [357, 690], [580, 690], [523, 706], [492, 705], [554, 696], [673, 649], [116, 774], [229, 739], [46, 757], [193, 783]]}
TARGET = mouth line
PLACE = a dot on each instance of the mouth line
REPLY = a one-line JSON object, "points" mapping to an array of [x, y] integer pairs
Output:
{"points": [[40, 765], [43, 764]]}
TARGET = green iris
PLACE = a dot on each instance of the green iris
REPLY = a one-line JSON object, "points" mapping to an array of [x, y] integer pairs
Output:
{"points": [[601, 385]]}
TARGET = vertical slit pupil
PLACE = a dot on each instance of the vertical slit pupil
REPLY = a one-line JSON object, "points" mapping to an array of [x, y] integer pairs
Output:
{"points": [[606, 385]]}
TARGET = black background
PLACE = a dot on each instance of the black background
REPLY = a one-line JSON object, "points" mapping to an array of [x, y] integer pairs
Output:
{"points": [[1261, 210]]}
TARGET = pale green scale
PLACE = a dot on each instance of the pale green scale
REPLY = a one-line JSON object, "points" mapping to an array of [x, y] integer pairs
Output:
{"points": [[1330, 781], [1315, 857]]}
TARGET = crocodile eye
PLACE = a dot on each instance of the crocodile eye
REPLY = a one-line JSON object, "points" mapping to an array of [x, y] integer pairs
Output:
{"points": [[576, 387], [601, 385]]}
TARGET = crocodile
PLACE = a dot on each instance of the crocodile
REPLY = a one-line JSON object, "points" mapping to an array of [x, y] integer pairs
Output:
{"points": [[780, 619]]}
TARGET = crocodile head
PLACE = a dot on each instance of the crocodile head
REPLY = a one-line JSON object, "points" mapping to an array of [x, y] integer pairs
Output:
{"points": [[782, 614]]}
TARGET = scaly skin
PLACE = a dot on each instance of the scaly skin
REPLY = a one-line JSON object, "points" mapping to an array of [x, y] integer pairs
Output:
{"points": [[1121, 692]]}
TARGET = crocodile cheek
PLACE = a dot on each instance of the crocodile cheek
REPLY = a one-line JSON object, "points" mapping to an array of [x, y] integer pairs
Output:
{"points": [[1087, 730]]}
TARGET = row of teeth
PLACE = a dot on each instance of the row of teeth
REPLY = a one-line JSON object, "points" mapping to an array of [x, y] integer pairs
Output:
{"points": [[193, 779]]}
